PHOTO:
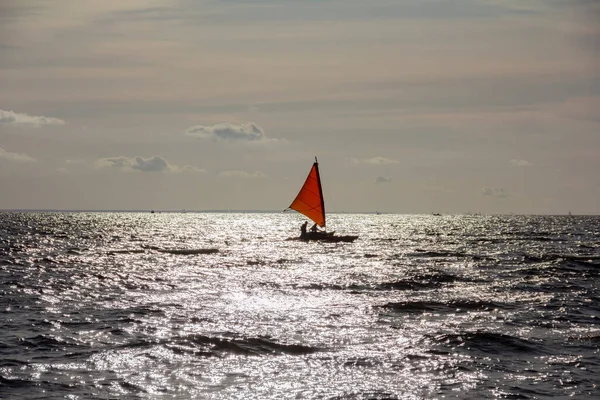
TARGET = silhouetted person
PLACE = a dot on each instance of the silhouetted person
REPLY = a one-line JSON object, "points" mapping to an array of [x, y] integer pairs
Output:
{"points": [[303, 229]]}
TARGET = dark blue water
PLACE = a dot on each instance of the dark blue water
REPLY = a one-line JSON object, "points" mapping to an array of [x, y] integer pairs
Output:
{"points": [[220, 306]]}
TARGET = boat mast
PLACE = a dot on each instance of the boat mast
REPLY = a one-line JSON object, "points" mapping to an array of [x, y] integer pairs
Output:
{"points": [[320, 190]]}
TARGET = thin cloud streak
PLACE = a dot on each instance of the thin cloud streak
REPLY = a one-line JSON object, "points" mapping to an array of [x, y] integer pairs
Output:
{"points": [[225, 131], [242, 174], [17, 157], [13, 118], [495, 192], [521, 163], [376, 161], [150, 164]]}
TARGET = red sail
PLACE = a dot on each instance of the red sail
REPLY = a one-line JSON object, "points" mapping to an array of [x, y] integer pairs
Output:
{"points": [[309, 200]]}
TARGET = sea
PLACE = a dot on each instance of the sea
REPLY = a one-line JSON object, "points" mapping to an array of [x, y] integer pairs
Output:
{"points": [[211, 305]]}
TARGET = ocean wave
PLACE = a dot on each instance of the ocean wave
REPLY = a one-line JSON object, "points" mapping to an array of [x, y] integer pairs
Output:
{"points": [[547, 287], [190, 251], [406, 284], [584, 260], [366, 395], [126, 251], [13, 362], [487, 342], [16, 383], [420, 253], [31, 388], [244, 346], [181, 251], [422, 282], [453, 306], [213, 346], [414, 282], [432, 253], [46, 342]]}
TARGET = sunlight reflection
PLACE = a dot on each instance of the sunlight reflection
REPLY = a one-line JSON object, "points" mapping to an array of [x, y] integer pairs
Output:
{"points": [[417, 307]]}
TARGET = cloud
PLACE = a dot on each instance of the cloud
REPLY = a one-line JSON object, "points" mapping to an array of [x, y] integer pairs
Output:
{"points": [[18, 157], [521, 163], [249, 132], [151, 164], [376, 160], [242, 174], [13, 118], [189, 169], [494, 192], [69, 166], [383, 179]]}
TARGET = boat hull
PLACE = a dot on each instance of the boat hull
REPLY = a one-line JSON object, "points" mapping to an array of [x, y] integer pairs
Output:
{"points": [[335, 239], [328, 237]]}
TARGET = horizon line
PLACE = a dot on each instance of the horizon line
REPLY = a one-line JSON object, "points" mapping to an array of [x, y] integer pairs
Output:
{"points": [[182, 211]]}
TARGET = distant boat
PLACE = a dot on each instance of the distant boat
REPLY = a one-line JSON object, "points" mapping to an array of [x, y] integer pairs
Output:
{"points": [[310, 202]]}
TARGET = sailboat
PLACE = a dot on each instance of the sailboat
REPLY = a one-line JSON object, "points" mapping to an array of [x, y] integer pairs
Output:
{"points": [[309, 202]]}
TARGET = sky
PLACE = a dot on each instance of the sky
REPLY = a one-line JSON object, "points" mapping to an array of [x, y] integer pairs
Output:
{"points": [[413, 106]]}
